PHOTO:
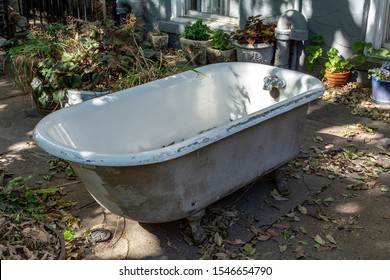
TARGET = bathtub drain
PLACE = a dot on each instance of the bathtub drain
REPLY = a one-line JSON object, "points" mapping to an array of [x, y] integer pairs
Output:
{"points": [[99, 235]]}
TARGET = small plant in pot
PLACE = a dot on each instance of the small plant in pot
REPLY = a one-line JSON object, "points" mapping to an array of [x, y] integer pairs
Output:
{"points": [[255, 41], [337, 68], [380, 83], [195, 41], [222, 50], [158, 39]]}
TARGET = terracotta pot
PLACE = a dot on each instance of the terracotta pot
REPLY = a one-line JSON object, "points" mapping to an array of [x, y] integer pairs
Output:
{"points": [[216, 56], [195, 51], [337, 79]]}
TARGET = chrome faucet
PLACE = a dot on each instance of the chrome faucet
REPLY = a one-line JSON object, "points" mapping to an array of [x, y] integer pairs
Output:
{"points": [[273, 81]]}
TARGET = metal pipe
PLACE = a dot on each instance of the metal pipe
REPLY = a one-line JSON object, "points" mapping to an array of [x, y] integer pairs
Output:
{"points": [[291, 25]]}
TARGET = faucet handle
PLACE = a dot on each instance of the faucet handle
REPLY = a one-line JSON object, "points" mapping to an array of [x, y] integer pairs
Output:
{"points": [[271, 78], [273, 81]]}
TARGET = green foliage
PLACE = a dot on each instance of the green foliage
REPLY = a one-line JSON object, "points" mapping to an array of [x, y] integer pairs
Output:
{"points": [[221, 40], [86, 56], [334, 61], [380, 74], [197, 31], [21, 200], [255, 31], [69, 235]]}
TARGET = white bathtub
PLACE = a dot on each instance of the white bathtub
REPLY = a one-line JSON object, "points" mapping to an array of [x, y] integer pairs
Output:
{"points": [[165, 150]]}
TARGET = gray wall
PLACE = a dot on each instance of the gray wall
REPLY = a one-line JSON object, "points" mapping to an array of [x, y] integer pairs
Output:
{"points": [[155, 11], [340, 22]]}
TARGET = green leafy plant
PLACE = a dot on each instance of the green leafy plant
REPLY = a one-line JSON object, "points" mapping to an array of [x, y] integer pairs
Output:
{"points": [[197, 31], [380, 74], [22, 200], [85, 56], [255, 31], [334, 61], [69, 234], [221, 40]]}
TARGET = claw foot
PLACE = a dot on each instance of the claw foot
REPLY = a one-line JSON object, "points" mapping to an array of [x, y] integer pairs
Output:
{"points": [[198, 233], [280, 179]]}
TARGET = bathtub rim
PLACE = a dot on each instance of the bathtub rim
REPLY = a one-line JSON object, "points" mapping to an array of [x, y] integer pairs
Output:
{"points": [[53, 147]]}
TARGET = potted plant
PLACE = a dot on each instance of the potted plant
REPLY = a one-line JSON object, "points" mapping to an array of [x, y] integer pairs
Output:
{"points": [[158, 39], [222, 49], [78, 61], [337, 68], [255, 41], [195, 41], [380, 83]]}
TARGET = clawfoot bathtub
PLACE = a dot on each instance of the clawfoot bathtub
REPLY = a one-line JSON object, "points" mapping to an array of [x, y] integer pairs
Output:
{"points": [[165, 150]]}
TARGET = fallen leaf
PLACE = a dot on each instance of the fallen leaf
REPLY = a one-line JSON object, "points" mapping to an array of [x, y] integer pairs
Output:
{"points": [[188, 239], [316, 150], [278, 197], [235, 242], [272, 233], [385, 189], [319, 240], [218, 239], [282, 248], [297, 176], [329, 199], [299, 252], [263, 237], [230, 214], [249, 249], [330, 239], [322, 217], [171, 245], [291, 214], [302, 209], [281, 226], [329, 146], [296, 219], [254, 230]]}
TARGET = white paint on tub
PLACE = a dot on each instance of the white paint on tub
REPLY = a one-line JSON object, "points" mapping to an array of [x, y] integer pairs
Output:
{"points": [[95, 186], [136, 126]]}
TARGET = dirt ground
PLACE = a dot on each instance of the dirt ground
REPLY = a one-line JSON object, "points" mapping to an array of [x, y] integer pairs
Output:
{"points": [[338, 206]]}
